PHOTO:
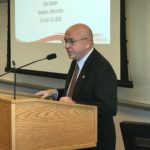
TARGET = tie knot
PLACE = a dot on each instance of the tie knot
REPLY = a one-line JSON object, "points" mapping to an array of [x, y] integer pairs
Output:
{"points": [[77, 66], [76, 70]]}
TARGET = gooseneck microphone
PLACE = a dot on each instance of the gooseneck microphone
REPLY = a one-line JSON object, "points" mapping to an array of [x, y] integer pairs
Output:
{"points": [[49, 57]]}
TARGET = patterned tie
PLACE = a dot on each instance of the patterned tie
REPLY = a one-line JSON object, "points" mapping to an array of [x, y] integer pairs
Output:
{"points": [[73, 81]]}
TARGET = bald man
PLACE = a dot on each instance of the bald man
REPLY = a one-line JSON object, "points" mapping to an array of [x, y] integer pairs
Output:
{"points": [[96, 83]]}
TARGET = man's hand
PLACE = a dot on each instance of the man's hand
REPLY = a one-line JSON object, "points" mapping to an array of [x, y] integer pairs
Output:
{"points": [[46, 93], [66, 99]]}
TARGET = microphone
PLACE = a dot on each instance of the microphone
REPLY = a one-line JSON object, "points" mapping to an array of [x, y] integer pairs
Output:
{"points": [[51, 56], [48, 57]]}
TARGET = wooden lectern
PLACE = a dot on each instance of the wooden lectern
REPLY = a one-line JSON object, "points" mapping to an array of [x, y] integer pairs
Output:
{"points": [[37, 124]]}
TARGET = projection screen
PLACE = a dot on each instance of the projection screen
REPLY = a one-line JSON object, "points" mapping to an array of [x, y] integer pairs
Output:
{"points": [[37, 28]]}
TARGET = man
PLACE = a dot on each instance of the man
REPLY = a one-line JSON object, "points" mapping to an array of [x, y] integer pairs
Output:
{"points": [[96, 83]]}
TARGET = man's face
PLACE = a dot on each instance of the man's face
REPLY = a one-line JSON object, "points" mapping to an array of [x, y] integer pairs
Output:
{"points": [[77, 46]]}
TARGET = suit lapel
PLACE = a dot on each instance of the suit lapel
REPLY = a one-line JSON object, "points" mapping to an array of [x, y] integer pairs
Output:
{"points": [[83, 75]]}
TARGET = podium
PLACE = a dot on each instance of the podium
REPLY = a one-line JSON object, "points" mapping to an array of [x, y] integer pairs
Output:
{"points": [[35, 124]]}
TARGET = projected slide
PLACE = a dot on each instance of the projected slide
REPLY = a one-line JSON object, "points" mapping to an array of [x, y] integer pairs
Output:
{"points": [[46, 20], [37, 29]]}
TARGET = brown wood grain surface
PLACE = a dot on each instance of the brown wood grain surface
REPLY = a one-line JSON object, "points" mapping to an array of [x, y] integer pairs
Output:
{"points": [[36, 124]]}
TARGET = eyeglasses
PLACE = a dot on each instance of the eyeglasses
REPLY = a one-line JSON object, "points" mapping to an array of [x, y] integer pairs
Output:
{"points": [[72, 42]]}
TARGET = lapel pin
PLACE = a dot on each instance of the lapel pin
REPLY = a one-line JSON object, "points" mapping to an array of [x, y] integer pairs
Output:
{"points": [[83, 76]]}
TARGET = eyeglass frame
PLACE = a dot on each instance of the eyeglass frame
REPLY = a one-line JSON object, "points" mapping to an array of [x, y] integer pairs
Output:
{"points": [[72, 42]]}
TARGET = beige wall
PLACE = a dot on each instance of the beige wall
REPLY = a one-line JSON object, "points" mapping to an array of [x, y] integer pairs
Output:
{"points": [[138, 46]]}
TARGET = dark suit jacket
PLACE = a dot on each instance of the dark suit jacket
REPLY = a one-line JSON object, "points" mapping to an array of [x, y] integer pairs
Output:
{"points": [[97, 85]]}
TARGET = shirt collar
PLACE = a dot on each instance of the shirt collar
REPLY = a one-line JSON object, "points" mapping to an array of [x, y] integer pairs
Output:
{"points": [[82, 61]]}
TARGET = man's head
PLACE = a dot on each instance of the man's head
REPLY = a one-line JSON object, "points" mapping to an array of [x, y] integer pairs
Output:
{"points": [[78, 41]]}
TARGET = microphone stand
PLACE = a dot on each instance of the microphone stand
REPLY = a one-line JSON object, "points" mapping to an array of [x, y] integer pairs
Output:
{"points": [[14, 64], [48, 57]]}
